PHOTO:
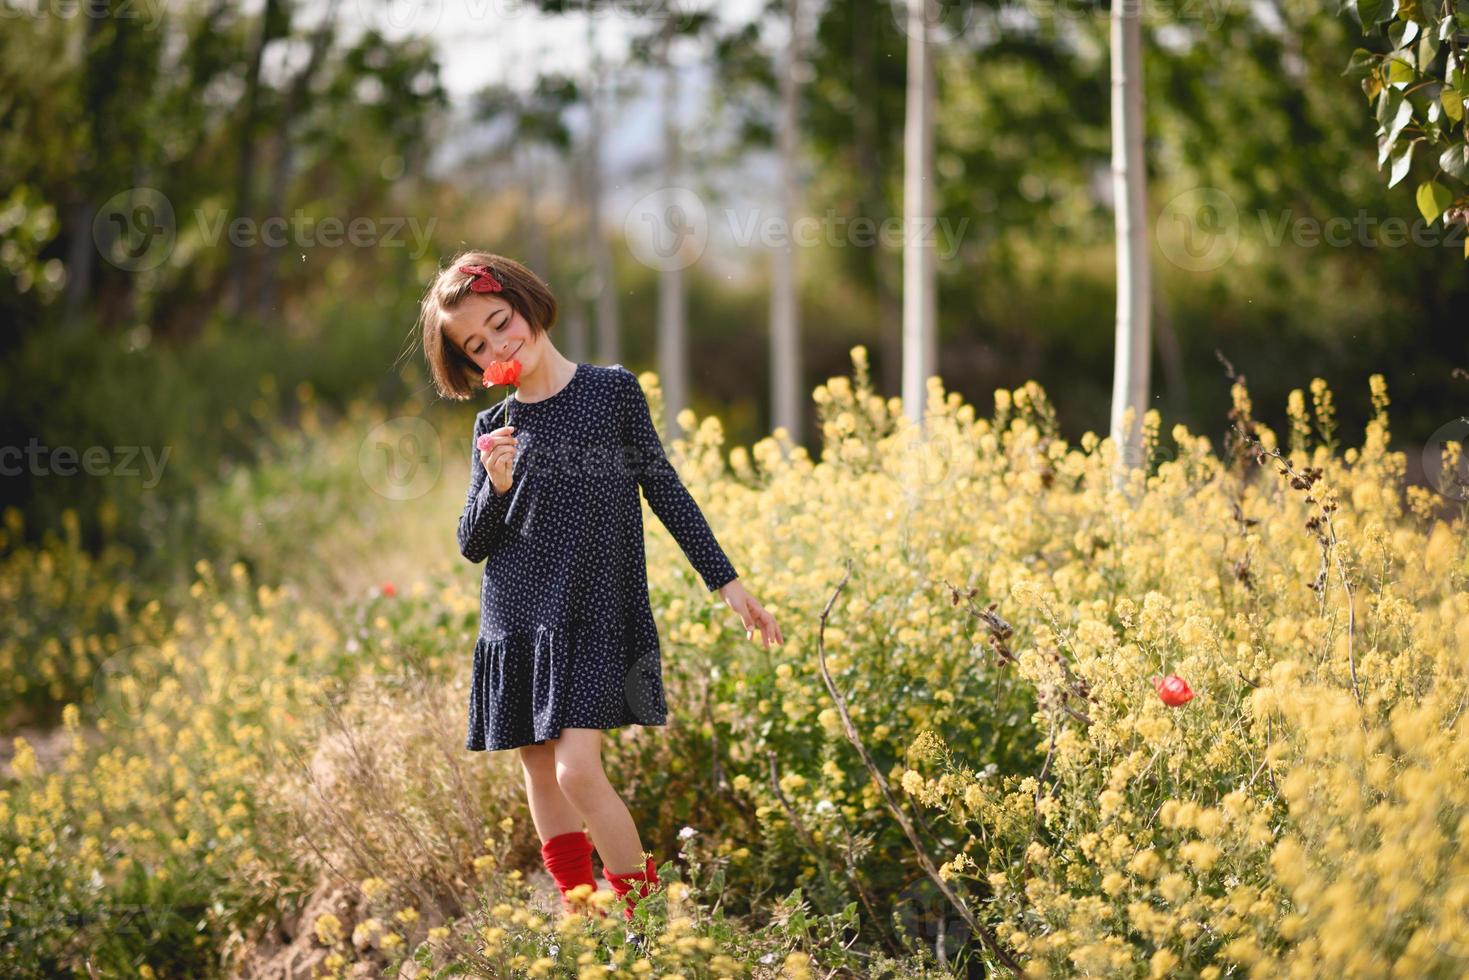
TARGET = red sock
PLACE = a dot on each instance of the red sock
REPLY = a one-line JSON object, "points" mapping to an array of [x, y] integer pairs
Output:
{"points": [[568, 857], [632, 886]]}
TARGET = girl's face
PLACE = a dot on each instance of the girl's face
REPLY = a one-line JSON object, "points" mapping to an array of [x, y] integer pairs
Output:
{"points": [[487, 329]]}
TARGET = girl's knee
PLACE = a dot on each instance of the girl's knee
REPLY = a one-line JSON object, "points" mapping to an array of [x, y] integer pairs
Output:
{"points": [[539, 761], [578, 774]]}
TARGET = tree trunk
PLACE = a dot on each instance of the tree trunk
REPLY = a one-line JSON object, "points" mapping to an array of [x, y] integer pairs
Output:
{"points": [[920, 346], [1170, 356], [787, 395], [530, 184], [284, 154], [1129, 192], [573, 322], [871, 201], [240, 256], [609, 333], [672, 314], [81, 248]]}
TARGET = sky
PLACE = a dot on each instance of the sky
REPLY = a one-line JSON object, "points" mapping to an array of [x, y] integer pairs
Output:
{"points": [[494, 41], [505, 42]]}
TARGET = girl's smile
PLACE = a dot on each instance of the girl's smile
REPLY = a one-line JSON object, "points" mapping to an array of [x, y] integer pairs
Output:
{"points": [[487, 329]]}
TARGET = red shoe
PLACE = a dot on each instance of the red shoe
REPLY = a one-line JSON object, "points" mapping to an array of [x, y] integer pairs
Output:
{"points": [[633, 886], [568, 857]]}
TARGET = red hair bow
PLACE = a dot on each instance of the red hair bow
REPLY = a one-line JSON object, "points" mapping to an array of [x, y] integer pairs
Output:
{"points": [[484, 279]]}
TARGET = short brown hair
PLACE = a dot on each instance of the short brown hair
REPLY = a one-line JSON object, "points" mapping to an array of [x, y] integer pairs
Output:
{"points": [[454, 375]]}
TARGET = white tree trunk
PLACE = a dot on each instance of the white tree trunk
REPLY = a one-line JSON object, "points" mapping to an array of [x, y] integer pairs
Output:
{"points": [[528, 177], [920, 338], [787, 389], [672, 319], [1129, 192], [574, 321], [609, 333]]}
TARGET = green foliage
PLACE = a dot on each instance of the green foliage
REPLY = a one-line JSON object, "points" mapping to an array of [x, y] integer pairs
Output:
{"points": [[164, 419], [1419, 92]]}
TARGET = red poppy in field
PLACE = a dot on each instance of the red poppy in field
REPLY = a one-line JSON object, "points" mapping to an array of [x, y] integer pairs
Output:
{"points": [[1174, 690], [389, 588]]}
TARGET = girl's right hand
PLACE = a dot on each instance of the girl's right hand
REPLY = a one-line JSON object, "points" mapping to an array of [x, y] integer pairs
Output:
{"points": [[500, 458]]}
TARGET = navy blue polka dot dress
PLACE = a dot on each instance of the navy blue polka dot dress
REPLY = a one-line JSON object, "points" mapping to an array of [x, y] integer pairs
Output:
{"points": [[567, 637]]}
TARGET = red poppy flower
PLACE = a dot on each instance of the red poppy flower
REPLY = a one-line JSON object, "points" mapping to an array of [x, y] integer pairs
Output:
{"points": [[1174, 690], [503, 373], [389, 588]]}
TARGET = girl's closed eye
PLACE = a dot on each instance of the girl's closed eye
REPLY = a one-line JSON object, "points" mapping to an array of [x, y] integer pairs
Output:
{"points": [[479, 345]]}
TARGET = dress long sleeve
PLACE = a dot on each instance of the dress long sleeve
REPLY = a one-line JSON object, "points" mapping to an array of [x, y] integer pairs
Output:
{"points": [[482, 524], [665, 491]]}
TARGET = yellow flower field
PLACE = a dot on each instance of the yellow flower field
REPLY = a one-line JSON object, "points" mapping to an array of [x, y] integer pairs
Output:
{"points": [[247, 770]]}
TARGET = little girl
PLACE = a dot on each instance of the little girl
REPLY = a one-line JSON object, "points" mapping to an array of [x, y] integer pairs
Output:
{"points": [[567, 643]]}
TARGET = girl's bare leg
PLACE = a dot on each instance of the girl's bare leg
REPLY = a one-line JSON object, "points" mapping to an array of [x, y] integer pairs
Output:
{"points": [[550, 810], [582, 781]]}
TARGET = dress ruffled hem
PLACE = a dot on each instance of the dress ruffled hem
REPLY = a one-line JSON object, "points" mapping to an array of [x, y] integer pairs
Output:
{"points": [[525, 687]]}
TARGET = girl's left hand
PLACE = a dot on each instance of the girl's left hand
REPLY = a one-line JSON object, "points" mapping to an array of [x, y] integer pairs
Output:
{"points": [[752, 614]]}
